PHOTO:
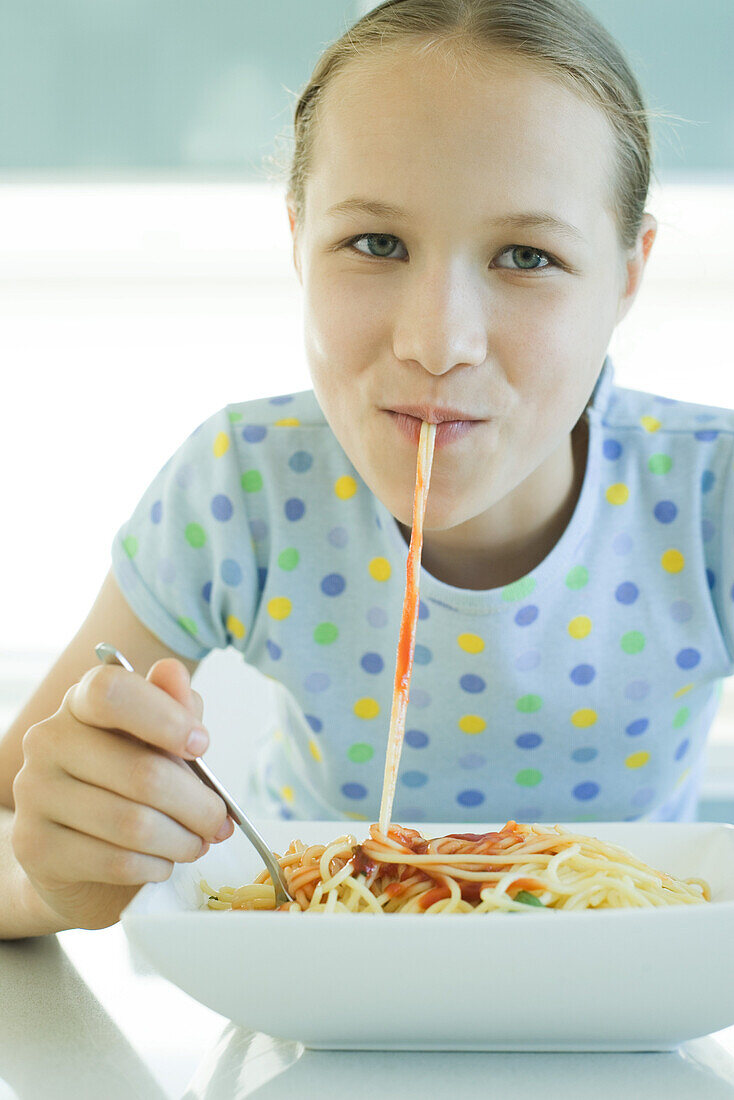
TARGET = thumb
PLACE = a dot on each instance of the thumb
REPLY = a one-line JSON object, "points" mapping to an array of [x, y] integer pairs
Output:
{"points": [[173, 677]]}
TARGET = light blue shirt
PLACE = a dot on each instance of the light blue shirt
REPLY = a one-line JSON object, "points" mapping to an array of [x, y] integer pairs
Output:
{"points": [[583, 691]]}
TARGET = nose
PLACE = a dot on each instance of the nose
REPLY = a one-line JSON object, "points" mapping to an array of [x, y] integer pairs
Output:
{"points": [[440, 320]]}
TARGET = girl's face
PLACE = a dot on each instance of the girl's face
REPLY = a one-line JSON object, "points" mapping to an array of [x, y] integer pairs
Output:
{"points": [[490, 288]]}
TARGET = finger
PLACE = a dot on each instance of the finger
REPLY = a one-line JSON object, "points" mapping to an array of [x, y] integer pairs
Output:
{"points": [[105, 759], [107, 816], [101, 861], [109, 697], [173, 677]]}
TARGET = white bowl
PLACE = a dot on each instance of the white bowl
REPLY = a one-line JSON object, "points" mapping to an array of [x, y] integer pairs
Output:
{"points": [[612, 979]]}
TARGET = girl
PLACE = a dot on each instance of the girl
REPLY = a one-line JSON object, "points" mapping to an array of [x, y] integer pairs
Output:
{"points": [[467, 205]]}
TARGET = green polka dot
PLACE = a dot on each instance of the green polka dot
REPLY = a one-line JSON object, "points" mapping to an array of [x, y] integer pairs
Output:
{"points": [[633, 641], [660, 464], [195, 535], [252, 481], [360, 753], [529, 777], [585, 817], [325, 634], [234, 417], [577, 577], [288, 559], [519, 589], [189, 625], [131, 546], [528, 704], [681, 718]]}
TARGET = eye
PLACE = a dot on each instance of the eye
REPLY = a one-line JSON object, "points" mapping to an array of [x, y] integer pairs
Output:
{"points": [[526, 258], [381, 245]]}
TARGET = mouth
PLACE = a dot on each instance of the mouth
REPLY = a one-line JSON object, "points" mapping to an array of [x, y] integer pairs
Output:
{"points": [[451, 424]]}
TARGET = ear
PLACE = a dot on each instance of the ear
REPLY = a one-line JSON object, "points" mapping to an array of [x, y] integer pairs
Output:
{"points": [[294, 235], [635, 264]]}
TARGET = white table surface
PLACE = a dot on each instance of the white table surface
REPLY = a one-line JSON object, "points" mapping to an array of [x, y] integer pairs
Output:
{"points": [[79, 1018]]}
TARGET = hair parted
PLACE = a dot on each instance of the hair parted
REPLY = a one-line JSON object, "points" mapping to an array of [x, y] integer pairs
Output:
{"points": [[559, 36]]}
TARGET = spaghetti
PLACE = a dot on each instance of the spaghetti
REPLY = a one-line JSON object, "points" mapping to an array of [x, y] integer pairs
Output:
{"points": [[507, 871], [396, 870]]}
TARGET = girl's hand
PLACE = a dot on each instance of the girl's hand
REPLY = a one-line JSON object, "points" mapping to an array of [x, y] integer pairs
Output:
{"points": [[103, 801]]}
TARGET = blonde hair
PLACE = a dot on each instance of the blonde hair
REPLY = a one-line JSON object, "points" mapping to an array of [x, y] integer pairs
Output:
{"points": [[559, 36]]}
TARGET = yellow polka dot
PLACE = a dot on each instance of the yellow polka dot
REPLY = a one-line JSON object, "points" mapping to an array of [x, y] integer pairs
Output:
{"points": [[649, 423], [287, 793], [279, 607], [682, 777], [470, 643], [637, 759], [584, 718], [672, 561], [356, 817], [618, 494], [366, 708], [472, 723], [235, 626], [682, 691], [345, 487], [580, 626], [287, 422], [221, 444], [380, 569], [315, 750]]}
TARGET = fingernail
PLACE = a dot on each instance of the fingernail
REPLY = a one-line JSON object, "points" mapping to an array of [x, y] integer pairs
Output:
{"points": [[225, 831], [198, 741]]}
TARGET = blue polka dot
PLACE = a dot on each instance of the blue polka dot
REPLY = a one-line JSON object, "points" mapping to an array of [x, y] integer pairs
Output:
{"points": [[681, 611], [584, 791], [377, 616], [708, 477], [184, 475], [206, 592], [281, 399], [470, 798], [315, 723], [637, 689], [254, 433], [583, 674], [423, 612], [222, 507], [300, 462], [708, 530], [333, 584], [472, 760], [623, 543], [634, 729], [231, 571], [338, 536], [642, 796], [372, 662], [285, 813], [582, 756], [627, 592], [687, 658], [317, 681], [526, 615], [156, 512], [471, 683], [294, 509], [258, 530], [706, 436], [417, 739], [528, 660], [665, 511], [710, 578], [415, 779], [682, 749], [420, 698], [422, 655], [612, 449], [274, 650], [528, 740], [354, 790], [262, 576]]}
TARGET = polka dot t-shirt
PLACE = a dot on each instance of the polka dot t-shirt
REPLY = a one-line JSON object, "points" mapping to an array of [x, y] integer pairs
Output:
{"points": [[583, 691]]}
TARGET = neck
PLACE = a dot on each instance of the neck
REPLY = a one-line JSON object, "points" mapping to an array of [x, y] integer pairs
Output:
{"points": [[515, 535]]}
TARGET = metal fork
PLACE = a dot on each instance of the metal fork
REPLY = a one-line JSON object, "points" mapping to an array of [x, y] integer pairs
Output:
{"points": [[109, 655]]}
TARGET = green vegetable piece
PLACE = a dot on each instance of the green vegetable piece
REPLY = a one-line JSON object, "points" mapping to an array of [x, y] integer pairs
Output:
{"points": [[528, 899]]}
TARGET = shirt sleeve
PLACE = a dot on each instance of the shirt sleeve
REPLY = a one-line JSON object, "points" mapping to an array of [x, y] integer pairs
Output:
{"points": [[184, 560], [717, 529]]}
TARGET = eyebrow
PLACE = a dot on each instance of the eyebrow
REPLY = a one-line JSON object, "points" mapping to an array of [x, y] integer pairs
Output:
{"points": [[529, 220]]}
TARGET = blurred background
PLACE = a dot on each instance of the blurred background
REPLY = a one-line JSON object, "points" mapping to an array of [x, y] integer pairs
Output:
{"points": [[146, 276]]}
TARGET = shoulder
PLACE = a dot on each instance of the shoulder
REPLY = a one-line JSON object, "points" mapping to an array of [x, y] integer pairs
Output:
{"points": [[652, 415], [289, 410]]}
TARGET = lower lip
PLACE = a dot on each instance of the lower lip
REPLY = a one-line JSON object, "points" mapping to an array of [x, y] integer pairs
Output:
{"points": [[448, 431]]}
